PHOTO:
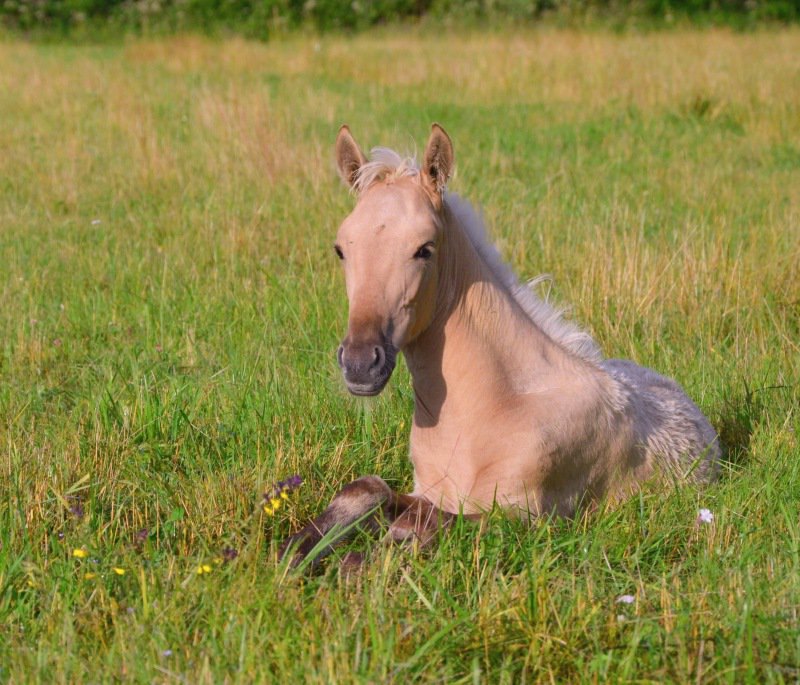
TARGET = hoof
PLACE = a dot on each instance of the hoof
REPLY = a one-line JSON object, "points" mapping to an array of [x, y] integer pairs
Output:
{"points": [[299, 545], [351, 564]]}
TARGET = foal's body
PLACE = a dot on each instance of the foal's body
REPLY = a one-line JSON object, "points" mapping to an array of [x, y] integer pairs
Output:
{"points": [[523, 420], [513, 405]]}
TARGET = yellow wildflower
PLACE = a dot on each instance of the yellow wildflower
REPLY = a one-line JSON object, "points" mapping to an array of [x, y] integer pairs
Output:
{"points": [[119, 571], [80, 553], [89, 576], [203, 568], [279, 493]]}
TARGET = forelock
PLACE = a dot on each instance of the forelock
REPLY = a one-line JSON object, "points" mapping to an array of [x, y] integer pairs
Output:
{"points": [[384, 165]]}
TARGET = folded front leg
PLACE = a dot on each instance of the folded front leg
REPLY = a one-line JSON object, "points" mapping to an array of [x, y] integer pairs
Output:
{"points": [[420, 523], [367, 501]]}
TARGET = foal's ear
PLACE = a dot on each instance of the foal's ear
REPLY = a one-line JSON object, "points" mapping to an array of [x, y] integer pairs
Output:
{"points": [[349, 158], [437, 166]]}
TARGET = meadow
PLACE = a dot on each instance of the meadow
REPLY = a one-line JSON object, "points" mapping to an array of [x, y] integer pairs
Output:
{"points": [[171, 305]]}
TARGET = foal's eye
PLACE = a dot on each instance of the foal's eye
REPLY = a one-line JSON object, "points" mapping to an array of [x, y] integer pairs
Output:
{"points": [[424, 252], [338, 251]]}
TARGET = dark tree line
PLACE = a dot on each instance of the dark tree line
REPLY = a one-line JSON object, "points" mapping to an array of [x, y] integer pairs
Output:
{"points": [[258, 18]]}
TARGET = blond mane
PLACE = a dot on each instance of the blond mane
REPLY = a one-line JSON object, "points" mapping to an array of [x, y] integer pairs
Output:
{"points": [[386, 164]]}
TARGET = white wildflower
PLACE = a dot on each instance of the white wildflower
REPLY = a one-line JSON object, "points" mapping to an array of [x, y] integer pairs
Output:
{"points": [[705, 516]]}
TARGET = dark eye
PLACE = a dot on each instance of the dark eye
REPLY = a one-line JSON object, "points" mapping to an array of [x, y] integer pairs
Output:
{"points": [[338, 251], [424, 252]]}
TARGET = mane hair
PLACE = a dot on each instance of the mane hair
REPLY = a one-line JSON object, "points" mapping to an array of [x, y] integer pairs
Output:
{"points": [[386, 164], [550, 320]]}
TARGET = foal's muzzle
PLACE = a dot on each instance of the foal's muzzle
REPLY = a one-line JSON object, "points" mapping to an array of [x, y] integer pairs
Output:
{"points": [[367, 367]]}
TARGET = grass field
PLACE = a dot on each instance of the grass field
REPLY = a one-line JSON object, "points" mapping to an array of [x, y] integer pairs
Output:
{"points": [[171, 306]]}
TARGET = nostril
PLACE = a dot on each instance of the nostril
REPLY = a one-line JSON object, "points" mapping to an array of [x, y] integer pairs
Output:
{"points": [[378, 357], [340, 356]]}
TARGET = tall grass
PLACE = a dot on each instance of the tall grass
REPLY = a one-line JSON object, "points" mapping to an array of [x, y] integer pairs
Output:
{"points": [[171, 305]]}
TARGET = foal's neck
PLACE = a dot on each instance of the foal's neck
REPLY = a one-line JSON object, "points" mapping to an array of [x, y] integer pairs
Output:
{"points": [[482, 348]]}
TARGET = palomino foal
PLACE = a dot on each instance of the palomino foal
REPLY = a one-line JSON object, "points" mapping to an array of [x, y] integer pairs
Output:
{"points": [[513, 405]]}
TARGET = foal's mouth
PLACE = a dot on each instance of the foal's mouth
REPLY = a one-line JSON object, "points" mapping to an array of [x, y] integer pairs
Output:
{"points": [[368, 389]]}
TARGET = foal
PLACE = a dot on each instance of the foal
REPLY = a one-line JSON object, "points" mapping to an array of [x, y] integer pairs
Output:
{"points": [[513, 404]]}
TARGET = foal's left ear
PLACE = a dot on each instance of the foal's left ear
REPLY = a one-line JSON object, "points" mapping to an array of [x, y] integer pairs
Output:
{"points": [[437, 166]]}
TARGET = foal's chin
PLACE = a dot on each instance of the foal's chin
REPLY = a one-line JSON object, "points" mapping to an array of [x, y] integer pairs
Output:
{"points": [[369, 389]]}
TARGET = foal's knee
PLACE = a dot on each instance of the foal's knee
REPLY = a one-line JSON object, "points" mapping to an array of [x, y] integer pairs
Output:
{"points": [[362, 495]]}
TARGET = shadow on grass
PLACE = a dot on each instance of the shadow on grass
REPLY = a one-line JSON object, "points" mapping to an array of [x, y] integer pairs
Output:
{"points": [[741, 415]]}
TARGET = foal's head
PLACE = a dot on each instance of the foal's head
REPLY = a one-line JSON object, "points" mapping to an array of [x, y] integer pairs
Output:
{"points": [[389, 249]]}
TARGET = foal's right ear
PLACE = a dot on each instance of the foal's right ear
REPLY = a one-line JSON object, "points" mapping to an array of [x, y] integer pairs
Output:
{"points": [[349, 158]]}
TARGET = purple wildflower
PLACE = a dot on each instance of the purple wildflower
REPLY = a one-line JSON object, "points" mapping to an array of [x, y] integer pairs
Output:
{"points": [[141, 537], [283, 487], [274, 497], [229, 553], [77, 510]]}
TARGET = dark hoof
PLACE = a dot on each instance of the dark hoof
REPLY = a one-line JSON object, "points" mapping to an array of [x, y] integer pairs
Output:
{"points": [[351, 563], [298, 545]]}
